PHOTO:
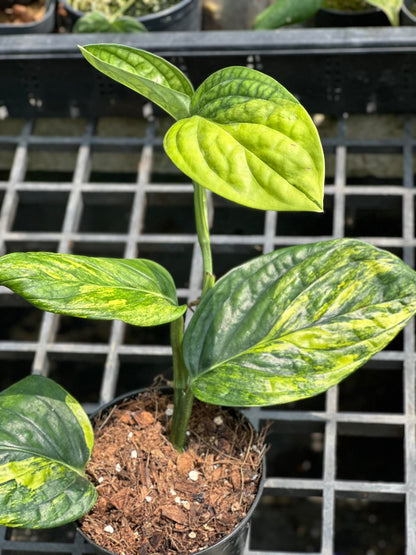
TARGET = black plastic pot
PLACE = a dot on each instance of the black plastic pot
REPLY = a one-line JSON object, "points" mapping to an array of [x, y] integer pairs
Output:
{"points": [[45, 25], [406, 16], [233, 544], [327, 17], [183, 16]]}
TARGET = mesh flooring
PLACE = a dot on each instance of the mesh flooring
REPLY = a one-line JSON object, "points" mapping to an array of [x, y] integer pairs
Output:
{"points": [[341, 476]]}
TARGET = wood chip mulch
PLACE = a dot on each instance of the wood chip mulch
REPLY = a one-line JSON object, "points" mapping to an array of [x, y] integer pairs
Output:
{"points": [[19, 13], [154, 500]]}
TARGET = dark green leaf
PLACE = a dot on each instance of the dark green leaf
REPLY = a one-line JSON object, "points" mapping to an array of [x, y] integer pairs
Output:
{"points": [[46, 440], [292, 323], [94, 22], [250, 141], [286, 12], [148, 74], [127, 24], [139, 292]]}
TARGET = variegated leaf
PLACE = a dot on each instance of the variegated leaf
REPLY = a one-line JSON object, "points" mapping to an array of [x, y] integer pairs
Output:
{"points": [[46, 440], [292, 323], [139, 292]]}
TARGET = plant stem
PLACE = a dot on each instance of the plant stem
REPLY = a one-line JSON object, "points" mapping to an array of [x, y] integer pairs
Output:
{"points": [[183, 397], [202, 229]]}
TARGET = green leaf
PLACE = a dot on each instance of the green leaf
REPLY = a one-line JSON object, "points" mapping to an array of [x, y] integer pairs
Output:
{"points": [[46, 441], [139, 292], [94, 22], [148, 74], [293, 323], [286, 12], [235, 85], [250, 141], [127, 24], [390, 7]]}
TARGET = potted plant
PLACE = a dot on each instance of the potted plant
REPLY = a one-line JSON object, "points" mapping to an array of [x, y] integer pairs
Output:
{"points": [[330, 13], [116, 22], [154, 15], [27, 16], [284, 326]]}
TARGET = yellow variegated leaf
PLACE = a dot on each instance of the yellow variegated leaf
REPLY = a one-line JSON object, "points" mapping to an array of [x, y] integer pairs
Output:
{"points": [[139, 292], [292, 323], [46, 440]]}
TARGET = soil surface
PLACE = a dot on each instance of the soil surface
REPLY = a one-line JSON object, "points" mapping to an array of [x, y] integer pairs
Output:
{"points": [[153, 499], [19, 13], [348, 5]]}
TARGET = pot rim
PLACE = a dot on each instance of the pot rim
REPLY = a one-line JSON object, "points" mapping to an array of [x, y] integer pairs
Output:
{"points": [[406, 10], [242, 522]]}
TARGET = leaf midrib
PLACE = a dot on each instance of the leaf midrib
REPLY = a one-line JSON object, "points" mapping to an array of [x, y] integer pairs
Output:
{"points": [[42, 456], [101, 286], [282, 339], [247, 151]]}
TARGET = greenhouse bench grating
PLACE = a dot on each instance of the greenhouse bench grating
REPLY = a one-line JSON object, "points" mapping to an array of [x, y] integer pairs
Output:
{"points": [[341, 466]]}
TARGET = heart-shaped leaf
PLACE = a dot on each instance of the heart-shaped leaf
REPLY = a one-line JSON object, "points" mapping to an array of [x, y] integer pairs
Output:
{"points": [[149, 75], [390, 7], [46, 440], [292, 323], [250, 141], [286, 12], [139, 292]]}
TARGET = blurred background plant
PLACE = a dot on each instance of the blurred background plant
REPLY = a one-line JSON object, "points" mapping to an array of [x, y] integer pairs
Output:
{"points": [[289, 12]]}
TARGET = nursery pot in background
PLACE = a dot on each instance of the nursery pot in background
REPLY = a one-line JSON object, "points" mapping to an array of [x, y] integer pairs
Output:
{"points": [[232, 544], [44, 25], [183, 16]]}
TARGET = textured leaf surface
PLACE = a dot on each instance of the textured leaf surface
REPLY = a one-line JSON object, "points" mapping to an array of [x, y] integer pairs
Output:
{"points": [[139, 292], [390, 7], [46, 440], [149, 75], [286, 12], [250, 141], [292, 323]]}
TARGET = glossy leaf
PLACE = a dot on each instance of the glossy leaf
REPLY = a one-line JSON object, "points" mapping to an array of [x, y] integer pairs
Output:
{"points": [[148, 74], [232, 86], [46, 440], [286, 12], [390, 7], [139, 292], [292, 323], [250, 141]]}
